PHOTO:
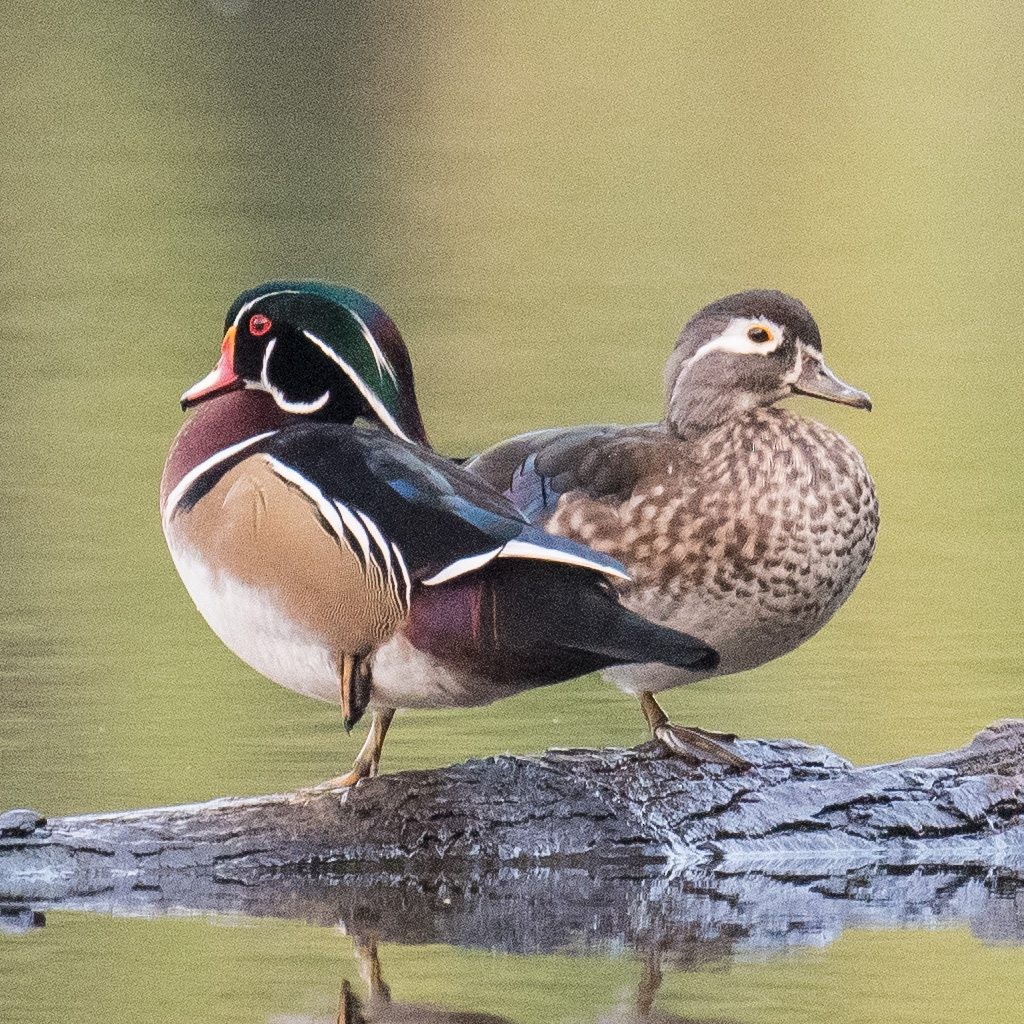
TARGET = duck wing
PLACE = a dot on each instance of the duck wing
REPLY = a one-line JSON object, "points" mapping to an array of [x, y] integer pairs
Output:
{"points": [[439, 520], [604, 462]]}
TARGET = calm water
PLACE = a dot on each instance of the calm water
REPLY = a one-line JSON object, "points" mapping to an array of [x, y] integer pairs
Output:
{"points": [[540, 197]]}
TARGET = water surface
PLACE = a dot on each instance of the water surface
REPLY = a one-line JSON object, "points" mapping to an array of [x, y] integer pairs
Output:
{"points": [[540, 196]]}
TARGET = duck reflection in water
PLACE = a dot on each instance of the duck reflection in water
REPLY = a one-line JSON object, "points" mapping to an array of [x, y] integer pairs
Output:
{"points": [[378, 1007], [638, 1007]]}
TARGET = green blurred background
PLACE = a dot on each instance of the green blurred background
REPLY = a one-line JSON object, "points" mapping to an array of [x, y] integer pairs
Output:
{"points": [[540, 194]]}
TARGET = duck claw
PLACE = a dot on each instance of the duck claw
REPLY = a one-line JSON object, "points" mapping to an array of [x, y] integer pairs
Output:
{"points": [[345, 781], [696, 747]]}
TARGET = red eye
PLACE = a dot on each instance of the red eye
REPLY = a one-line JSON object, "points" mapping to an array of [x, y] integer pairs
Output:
{"points": [[259, 325]]}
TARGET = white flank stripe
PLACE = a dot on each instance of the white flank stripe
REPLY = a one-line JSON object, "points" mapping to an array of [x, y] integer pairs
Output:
{"points": [[382, 361], [378, 539], [356, 529], [327, 509], [405, 574], [372, 400], [297, 407], [196, 472], [390, 553], [525, 549], [461, 567]]}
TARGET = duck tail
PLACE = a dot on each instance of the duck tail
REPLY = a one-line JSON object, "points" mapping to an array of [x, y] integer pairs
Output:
{"points": [[597, 624], [532, 623]]}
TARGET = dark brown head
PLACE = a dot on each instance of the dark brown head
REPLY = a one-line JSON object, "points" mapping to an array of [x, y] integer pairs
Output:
{"points": [[745, 351], [318, 350]]}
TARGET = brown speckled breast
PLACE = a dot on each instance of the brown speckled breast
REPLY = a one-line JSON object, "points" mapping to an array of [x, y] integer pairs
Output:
{"points": [[749, 537]]}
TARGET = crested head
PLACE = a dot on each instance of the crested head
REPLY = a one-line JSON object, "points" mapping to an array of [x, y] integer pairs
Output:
{"points": [[747, 351], [319, 350]]}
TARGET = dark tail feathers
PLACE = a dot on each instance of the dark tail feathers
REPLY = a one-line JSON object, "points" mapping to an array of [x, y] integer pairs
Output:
{"points": [[532, 623], [597, 624]]}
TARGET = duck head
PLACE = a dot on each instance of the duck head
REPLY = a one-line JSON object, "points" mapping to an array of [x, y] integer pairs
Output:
{"points": [[745, 351], [318, 350]]}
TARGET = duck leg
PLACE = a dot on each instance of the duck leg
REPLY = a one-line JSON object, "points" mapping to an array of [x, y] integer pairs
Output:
{"points": [[350, 1010], [350, 1007], [695, 746], [355, 684], [650, 981], [370, 972], [368, 759]]}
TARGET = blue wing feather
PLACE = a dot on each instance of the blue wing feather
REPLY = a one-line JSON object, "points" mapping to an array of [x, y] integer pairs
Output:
{"points": [[531, 492]]}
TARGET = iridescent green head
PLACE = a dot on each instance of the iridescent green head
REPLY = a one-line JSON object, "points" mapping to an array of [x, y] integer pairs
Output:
{"points": [[319, 350]]}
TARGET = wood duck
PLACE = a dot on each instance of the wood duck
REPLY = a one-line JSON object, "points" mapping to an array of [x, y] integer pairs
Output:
{"points": [[746, 522], [354, 564]]}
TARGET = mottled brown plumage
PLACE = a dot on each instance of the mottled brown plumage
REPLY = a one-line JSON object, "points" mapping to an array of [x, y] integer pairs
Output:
{"points": [[757, 552], [747, 523]]}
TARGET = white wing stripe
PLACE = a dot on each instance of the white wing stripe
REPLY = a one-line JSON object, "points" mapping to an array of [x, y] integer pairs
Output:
{"points": [[461, 567], [526, 549]]}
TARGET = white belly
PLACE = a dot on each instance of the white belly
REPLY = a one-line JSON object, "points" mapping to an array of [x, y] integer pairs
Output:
{"points": [[248, 622], [406, 677]]}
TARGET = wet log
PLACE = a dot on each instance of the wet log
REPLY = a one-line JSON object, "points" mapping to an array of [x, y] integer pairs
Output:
{"points": [[534, 853]]}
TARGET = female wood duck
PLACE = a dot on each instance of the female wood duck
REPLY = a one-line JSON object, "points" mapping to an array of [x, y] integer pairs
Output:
{"points": [[749, 524], [351, 563]]}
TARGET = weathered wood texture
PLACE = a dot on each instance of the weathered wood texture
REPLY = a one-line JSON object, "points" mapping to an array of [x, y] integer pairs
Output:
{"points": [[534, 853]]}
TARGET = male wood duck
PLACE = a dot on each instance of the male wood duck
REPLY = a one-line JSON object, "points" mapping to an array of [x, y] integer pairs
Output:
{"points": [[746, 522], [354, 564]]}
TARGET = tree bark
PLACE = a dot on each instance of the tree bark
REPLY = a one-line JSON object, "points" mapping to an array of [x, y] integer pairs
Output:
{"points": [[533, 853]]}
